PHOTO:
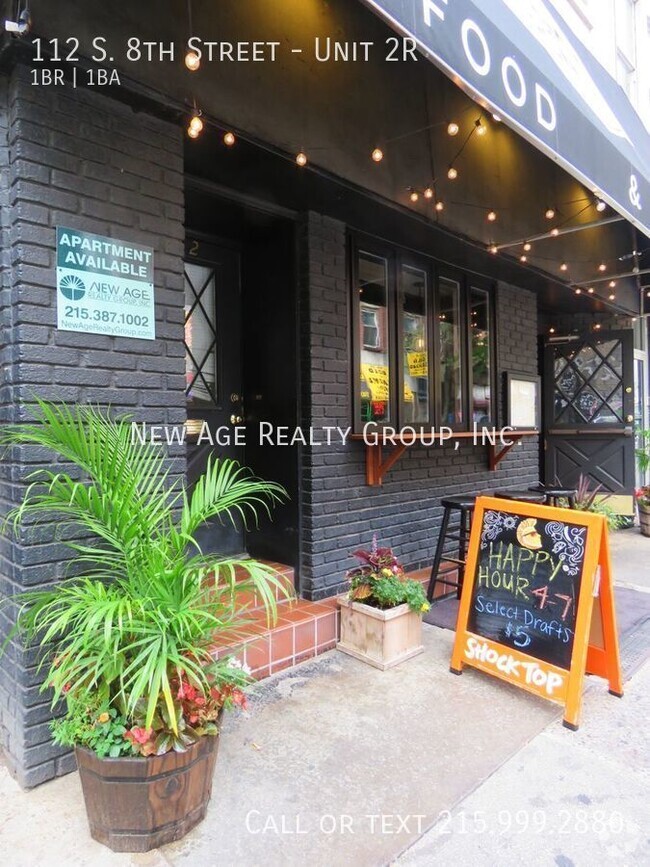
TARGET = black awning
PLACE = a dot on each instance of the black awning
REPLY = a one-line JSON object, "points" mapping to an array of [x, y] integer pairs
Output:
{"points": [[522, 62]]}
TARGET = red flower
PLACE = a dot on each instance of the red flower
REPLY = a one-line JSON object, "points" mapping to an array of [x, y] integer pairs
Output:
{"points": [[138, 735], [67, 687]]}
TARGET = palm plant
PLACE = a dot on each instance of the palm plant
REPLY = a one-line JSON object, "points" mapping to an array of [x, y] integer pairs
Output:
{"points": [[147, 604]]}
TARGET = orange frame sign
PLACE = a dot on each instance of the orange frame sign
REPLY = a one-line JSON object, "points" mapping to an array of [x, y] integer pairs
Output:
{"points": [[595, 643]]}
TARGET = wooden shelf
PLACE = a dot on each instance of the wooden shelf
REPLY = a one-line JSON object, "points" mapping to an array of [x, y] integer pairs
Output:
{"points": [[377, 466]]}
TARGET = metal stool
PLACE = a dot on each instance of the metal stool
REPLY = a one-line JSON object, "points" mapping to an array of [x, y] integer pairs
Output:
{"points": [[553, 493], [464, 505], [523, 496]]}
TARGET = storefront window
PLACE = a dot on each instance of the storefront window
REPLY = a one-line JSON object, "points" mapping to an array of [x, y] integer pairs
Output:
{"points": [[450, 377], [415, 348], [372, 285], [481, 349]]}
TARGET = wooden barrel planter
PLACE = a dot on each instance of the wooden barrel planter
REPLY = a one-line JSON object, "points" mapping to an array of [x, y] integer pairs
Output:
{"points": [[137, 804], [644, 521]]}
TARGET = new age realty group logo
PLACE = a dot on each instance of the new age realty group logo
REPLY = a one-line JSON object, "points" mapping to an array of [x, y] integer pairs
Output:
{"points": [[104, 286]]}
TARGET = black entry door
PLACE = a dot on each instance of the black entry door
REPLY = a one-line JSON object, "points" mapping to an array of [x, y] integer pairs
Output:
{"points": [[213, 371], [589, 406]]}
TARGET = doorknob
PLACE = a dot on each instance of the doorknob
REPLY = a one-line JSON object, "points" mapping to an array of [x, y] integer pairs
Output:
{"points": [[629, 418], [236, 419], [628, 390]]}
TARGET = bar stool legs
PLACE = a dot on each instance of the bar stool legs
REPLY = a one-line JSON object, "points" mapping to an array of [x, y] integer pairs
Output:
{"points": [[465, 508]]}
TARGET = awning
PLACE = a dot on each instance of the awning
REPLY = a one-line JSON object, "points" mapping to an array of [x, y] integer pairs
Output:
{"points": [[520, 60]]}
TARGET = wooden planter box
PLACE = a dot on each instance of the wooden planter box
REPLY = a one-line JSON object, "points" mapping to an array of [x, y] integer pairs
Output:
{"points": [[137, 804], [644, 521], [381, 638]]}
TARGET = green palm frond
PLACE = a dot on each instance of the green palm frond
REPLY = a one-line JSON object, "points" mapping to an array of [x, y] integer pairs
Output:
{"points": [[149, 603]]}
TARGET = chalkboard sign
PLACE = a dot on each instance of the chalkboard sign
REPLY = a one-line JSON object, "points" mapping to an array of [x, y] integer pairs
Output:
{"points": [[527, 612], [525, 590]]}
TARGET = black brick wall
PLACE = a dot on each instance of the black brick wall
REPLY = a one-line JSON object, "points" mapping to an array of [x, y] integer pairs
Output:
{"points": [[92, 164], [340, 512]]}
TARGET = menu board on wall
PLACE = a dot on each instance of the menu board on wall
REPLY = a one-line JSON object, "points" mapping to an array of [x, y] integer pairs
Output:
{"points": [[537, 606]]}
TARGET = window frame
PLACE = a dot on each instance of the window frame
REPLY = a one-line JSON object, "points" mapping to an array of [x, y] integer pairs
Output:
{"points": [[396, 258]]}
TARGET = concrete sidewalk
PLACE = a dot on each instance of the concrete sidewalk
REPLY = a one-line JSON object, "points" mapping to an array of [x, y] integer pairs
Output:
{"points": [[337, 763]]}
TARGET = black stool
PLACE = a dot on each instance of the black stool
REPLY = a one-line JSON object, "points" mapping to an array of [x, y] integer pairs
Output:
{"points": [[553, 493], [464, 505], [523, 496]]}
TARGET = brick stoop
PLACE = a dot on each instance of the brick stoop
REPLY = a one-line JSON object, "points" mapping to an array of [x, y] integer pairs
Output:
{"points": [[303, 630]]}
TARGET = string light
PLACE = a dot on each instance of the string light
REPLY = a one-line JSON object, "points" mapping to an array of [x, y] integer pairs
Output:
{"points": [[453, 128], [612, 297], [523, 258], [564, 267], [555, 232], [600, 205], [527, 246], [192, 60], [596, 326], [229, 139], [612, 283], [414, 196], [602, 267], [551, 330], [590, 290], [481, 129], [439, 205], [578, 291], [452, 173], [195, 125], [493, 249], [377, 155], [301, 159], [550, 213], [428, 193], [492, 215]]}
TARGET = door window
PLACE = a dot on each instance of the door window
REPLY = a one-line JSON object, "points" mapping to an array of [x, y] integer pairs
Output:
{"points": [[200, 334]]}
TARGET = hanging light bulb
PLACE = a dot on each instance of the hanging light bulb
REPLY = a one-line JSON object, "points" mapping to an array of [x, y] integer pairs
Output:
{"points": [[377, 155], [493, 249], [528, 246], [551, 330], [195, 125], [439, 205], [481, 128], [564, 267], [414, 196], [428, 193], [578, 291], [549, 213], [301, 159], [612, 283], [612, 297], [600, 205], [491, 215], [523, 258], [602, 267], [453, 128], [596, 326], [192, 60], [452, 173], [555, 232], [229, 139], [590, 290]]}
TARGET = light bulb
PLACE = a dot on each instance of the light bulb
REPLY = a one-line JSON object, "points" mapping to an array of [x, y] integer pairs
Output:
{"points": [[523, 258], [481, 129], [452, 173], [527, 246], [301, 159], [564, 266], [590, 290], [555, 232], [600, 205], [453, 128], [612, 283], [192, 61], [551, 330], [597, 326], [195, 126], [578, 291], [493, 249], [428, 193], [229, 139], [377, 155], [550, 213], [414, 196], [439, 205], [612, 297], [602, 267], [492, 215]]}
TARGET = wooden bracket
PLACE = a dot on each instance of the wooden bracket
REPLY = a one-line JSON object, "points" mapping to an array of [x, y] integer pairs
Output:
{"points": [[376, 469], [495, 457]]}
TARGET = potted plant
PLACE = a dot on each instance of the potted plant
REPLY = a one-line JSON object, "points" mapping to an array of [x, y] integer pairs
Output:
{"points": [[127, 641], [642, 494], [381, 616]]}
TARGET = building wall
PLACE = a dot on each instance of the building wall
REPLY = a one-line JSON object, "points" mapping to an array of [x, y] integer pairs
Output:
{"points": [[339, 511], [79, 161]]}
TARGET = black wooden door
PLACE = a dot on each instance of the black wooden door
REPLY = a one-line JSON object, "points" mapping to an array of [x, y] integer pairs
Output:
{"points": [[213, 371], [589, 406]]}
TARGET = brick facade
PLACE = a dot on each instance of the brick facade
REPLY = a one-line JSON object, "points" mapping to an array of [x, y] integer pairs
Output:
{"points": [[339, 511], [88, 163]]}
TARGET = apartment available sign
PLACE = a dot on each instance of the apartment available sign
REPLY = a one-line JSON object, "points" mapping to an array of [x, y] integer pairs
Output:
{"points": [[104, 285]]}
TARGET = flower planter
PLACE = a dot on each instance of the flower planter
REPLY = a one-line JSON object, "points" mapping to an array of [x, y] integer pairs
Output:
{"points": [[644, 521], [381, 638], [137, 804]]}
